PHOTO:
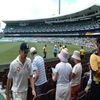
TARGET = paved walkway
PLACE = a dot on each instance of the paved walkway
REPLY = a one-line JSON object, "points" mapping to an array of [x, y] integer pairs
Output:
{"points": [[2, 93]]}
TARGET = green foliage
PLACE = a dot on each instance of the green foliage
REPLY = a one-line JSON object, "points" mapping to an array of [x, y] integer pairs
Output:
{"points": [[10, 50]]}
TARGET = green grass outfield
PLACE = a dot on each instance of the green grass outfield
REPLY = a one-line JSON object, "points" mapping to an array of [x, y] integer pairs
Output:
{"points": [[10, 50]]}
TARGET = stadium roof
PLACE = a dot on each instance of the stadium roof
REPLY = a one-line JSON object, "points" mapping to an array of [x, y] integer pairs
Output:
{"points": [[92, 10]]}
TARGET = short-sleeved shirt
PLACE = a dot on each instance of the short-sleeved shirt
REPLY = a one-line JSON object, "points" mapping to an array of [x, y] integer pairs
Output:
{"points": [[95, 64], [55, 50], [66, 49], [20, 74], [82, 52], [60, 48], [77, 69], [64, 70], [44, 49], [38, 64]]}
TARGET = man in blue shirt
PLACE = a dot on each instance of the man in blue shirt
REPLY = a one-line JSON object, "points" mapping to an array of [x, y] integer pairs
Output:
{"points": [[55, 50], [39, 69]]}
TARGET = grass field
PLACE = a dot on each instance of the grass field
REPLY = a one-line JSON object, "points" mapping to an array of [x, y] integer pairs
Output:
{"points": [[10, 50]]}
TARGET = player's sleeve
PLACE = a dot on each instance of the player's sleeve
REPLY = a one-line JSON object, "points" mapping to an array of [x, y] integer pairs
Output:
{"points": [[11, 71], [31, 70]]}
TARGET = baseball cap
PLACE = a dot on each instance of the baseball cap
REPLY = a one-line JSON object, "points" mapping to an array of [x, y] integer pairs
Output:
{"points": [[32, 49], [24, 46]]}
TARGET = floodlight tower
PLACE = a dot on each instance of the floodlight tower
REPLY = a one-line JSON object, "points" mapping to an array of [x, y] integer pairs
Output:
{"points": [[59, 7]]}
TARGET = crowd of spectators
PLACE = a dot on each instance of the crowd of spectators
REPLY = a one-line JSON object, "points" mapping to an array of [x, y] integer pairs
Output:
{"points": [[58, 27], [85, 41]]}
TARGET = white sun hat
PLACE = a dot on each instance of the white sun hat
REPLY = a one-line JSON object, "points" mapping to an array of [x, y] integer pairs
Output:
{"points": [[76, 55], [63, 55]]}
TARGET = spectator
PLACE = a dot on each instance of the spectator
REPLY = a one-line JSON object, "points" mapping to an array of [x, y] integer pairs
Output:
{"points": [[95, 67], [55, 50], [60, 48], [82, 52], [87, 73], [20, 71], [63, 47], [66, 48], [76, 74], [39, 68], [89, 82], [45, 51], [62, 76]]}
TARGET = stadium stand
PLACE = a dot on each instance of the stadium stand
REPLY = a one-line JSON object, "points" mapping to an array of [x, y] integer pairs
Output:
{"points": [[84, 41], [43, 27], [84, 22], [81, 95], [51, 85], [79, 28]]}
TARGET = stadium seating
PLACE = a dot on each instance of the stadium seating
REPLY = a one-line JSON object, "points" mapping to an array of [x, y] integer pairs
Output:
{"points": [[84, 80], [42, 97], [50, 86], [85, 41], [81, 95], [74, 98], [1, 75], [43, 27], [51, 94]]}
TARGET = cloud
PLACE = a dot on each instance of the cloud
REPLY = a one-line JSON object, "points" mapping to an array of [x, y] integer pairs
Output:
{"points": [[44, 8], [76, 6], [30, 9], [23, 9]]}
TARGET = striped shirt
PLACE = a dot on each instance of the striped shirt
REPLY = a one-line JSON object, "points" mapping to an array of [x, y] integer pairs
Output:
{"points": [[38, 64]]}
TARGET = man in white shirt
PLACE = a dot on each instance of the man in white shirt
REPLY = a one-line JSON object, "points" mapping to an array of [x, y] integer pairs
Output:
{"points": [[20, 70]]}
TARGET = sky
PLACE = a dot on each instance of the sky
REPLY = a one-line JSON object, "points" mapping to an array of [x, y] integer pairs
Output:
{"points": [[32, 9]]}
